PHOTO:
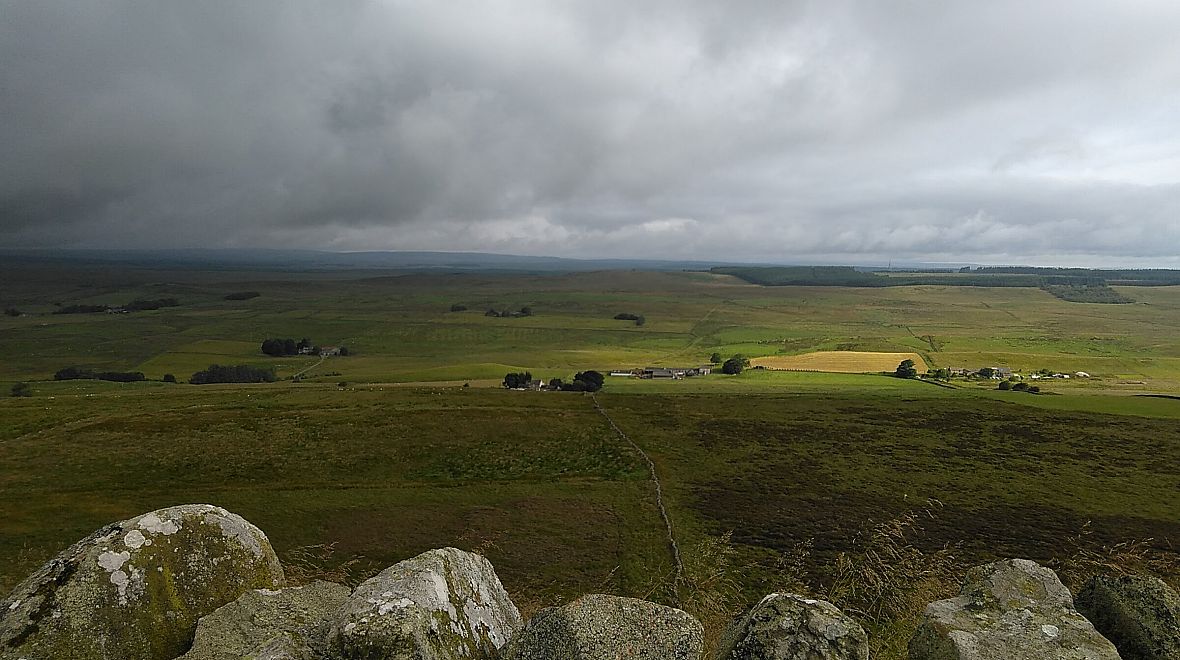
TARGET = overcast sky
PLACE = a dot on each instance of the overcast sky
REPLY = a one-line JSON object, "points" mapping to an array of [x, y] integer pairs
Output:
{"points": [[1003, 131]]}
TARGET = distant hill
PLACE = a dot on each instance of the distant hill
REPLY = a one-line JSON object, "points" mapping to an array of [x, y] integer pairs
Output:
{"points": [[317, 260]]}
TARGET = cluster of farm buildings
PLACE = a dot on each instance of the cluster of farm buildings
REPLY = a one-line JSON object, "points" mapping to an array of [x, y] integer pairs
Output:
{"points": [[674, 373], [1004, 373]]}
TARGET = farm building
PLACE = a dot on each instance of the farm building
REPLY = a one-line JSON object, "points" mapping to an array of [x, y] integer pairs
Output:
{"points": [[675, 372]]}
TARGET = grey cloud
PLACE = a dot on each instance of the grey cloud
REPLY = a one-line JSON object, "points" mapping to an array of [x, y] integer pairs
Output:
{"points": [[745, 130]]}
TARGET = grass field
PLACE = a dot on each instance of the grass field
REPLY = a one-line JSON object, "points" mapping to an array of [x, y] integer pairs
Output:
{"points": [[842, 362], [401, 329], [402, 457]]}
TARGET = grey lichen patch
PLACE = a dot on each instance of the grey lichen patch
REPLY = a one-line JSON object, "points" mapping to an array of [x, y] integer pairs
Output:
{"points": [[152, 523], [136, 589], [234, 526]]}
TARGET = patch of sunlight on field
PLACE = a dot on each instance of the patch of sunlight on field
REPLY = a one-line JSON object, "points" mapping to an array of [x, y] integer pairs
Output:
{"points": [[846, 362]]}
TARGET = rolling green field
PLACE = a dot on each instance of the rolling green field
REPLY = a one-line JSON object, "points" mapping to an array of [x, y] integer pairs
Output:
{"points": [[384, 453], [401, 329]]}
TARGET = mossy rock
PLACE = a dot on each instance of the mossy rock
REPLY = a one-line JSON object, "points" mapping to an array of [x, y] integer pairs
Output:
{"points": [[601, 627], [135, 589], [791, 627], [1141, 615], [444, 604], [265, 622], [1013, 609]]}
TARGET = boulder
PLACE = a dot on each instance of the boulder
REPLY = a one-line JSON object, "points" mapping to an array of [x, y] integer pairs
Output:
{"points": [[1141, 615], [265, 623], [441, 605], [790, 627], [1014, 609], [598, 627], [135, 589]]}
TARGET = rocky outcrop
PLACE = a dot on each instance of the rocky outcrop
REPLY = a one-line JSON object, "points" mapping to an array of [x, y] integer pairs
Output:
{"points": [[135, 589], [441, 605], [1013, 609], [790, 627], [599, 627], [288, 623], [1141, 615]]}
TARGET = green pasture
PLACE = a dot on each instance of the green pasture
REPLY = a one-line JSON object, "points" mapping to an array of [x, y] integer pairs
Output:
{"points": [[400, 329]]}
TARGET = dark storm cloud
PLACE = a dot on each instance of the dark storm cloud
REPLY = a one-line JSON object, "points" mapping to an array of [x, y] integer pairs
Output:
{"points": [[856, 131]]}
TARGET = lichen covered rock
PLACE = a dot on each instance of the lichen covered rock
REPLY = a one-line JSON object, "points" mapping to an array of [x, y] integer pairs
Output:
{"points": [[441, 605], [1141, 615], [598, 627], [292, 622], [1013, 609], [790, 627], [136, 589]]}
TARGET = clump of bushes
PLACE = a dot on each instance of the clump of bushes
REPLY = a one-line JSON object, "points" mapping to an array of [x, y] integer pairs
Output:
{"points": [[637, 318], [515, 380], [458, 308], [21, 389], [285, 347], [734, 365], [240, 373], [242, 295], [140, 304], [1019, 387], [81, 309], [523, 311]]}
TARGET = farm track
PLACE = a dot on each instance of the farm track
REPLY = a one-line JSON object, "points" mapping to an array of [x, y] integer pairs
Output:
{"points": [[300, 373], [673, 546]]}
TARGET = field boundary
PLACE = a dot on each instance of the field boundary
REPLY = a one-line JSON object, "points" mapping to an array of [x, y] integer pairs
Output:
{"points": [[673, 546]]}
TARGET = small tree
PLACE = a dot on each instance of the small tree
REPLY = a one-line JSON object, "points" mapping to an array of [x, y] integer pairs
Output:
{"points": [[1005, 385], [526, 311], [556, 385], [715, 358], [592, 381], [169, 378], [22, 389], [906, 370], [11, 311], [734, 365], [514, 380], [987, 372], [344, 351]]}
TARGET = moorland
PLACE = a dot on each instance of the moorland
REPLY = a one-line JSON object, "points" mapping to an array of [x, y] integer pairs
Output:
{"points": [[408, 442]]}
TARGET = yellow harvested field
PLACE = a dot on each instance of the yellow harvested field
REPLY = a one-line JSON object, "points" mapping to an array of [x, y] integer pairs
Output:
{"points": [[845, 362]]}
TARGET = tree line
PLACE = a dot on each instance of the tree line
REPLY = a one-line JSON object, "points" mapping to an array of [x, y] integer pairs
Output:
{"points": [[137, 305], [584, 381], [81, 373], [239, 373]]}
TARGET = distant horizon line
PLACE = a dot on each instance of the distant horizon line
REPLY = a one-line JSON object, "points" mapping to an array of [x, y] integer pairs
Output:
{"points": [[883, 264]]}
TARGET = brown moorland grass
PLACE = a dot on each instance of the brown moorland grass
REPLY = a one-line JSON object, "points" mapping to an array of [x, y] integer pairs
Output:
{"points": [[844, 362]]}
